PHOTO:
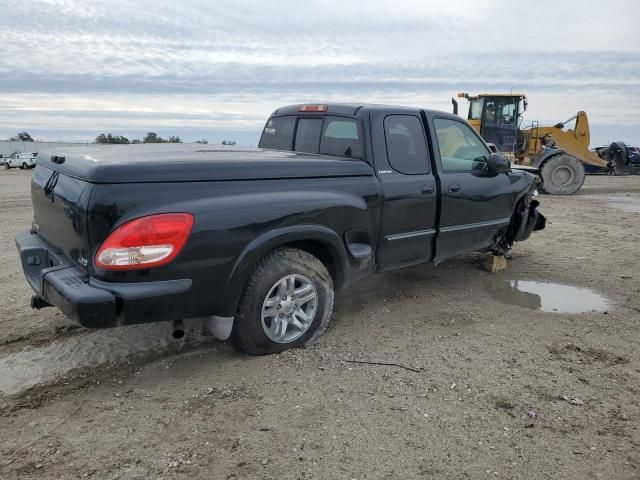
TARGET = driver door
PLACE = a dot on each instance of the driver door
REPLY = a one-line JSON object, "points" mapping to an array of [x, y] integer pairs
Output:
{"points": [[475, 205]]}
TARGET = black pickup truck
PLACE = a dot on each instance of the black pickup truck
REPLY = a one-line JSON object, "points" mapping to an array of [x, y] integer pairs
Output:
{"points": [[145, 233]]}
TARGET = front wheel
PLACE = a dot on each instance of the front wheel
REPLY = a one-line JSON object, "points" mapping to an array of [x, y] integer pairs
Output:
{"points": [[287, 303], [562, 175]]}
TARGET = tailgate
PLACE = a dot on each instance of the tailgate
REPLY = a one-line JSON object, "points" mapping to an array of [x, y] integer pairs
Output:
{"points": [[60, 213]]}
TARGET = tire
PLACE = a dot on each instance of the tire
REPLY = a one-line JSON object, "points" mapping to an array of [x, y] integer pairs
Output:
{"points": [[24, 166], [256, 332], [7, 166], [562, 175], [619, 157]]}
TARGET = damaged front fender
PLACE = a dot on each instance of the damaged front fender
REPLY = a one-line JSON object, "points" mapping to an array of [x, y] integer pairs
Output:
{"points": [[530, 220]]}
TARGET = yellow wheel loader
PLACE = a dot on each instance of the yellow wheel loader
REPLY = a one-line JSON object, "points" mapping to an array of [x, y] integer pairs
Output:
{"points": [[559, 152]]}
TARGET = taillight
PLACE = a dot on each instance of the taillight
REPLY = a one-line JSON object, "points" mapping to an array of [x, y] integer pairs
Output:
{"points": [[145, 242]]}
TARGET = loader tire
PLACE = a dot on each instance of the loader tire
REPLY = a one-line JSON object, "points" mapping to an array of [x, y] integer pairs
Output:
{"points": [[562, 175], [619, 157]]}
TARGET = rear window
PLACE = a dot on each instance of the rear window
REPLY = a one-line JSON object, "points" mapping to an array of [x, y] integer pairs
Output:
{"points": [[278, 133], [328, 135], [308, 135], [340, 137]]}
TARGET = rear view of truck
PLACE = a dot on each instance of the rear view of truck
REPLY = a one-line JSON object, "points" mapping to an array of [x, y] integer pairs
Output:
{"points": [[60, 252]]}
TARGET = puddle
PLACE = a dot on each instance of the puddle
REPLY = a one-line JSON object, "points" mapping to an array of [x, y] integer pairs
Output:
{"points": [[22, 370], [548, 297]]}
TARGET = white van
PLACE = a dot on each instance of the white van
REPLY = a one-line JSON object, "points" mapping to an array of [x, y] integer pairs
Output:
{"points": [[21, 160]]}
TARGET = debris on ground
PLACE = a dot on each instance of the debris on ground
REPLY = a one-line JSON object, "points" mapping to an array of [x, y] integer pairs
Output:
{"points": [[572, 400]]}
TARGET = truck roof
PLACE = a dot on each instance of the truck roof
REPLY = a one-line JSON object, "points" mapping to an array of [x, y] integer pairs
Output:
{"points": [[350, 109]]}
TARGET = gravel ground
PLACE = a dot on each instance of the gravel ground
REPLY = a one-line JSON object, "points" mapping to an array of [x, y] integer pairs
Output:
{"points": [[494, 389]]}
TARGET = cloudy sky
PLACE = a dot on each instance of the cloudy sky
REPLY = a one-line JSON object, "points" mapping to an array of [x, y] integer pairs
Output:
{"points": [[215, 69]]}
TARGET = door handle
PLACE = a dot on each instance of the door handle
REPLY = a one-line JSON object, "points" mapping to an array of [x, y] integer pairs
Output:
{"points": [[428, 189], [454, 187]]}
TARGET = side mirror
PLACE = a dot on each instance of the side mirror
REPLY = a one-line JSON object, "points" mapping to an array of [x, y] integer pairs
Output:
{"points": [[498, 163]]}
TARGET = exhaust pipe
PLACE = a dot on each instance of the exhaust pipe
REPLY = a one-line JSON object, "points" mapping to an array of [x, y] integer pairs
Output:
{"points": [[178, 329]]}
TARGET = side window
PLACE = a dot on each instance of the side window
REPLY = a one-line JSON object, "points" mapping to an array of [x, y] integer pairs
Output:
{"points": [[406, 144], [340, 137], [460, 149], [476, 109], [308, 135], [278, 133]]}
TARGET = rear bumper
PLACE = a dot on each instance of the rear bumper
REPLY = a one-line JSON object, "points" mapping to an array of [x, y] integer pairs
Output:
{"points": [[91, 302]]}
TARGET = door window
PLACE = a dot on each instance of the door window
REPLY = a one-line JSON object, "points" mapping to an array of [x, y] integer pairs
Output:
{"points": [[460, 148], [406, 144]]}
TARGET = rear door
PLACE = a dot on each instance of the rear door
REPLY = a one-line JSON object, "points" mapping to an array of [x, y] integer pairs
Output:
{"points": [[409, 189], [475, 206]]}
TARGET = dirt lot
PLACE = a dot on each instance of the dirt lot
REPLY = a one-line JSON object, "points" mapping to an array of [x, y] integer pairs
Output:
{"points": [[497, 390]]}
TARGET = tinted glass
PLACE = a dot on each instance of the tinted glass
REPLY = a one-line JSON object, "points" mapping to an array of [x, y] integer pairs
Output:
{"points": [[501, 111], [278, 133], [460, 148], [406, 145], [340, 137], [308, 135]]}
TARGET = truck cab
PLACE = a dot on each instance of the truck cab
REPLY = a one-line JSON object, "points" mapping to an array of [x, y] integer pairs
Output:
{"points": [[442, 196]]}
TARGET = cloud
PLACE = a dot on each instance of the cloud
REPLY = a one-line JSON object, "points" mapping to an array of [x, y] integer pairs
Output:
{"points": [[194, 62]]}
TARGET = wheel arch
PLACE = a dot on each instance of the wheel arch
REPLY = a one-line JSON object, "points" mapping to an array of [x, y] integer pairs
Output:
{"points": [[546, 155], [320, 241]]}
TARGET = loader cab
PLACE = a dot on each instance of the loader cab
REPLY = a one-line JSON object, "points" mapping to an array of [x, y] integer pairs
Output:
{"points": [[497, 118]]}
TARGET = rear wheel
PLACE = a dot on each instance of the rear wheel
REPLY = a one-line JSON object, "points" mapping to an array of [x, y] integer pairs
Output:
{"points": [[287, 302], [24, 166], [562, 175]]}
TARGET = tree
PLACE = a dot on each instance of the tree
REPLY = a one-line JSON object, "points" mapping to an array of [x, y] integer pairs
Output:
{"points": [[152, 137], [113, 139], [22, 137]]}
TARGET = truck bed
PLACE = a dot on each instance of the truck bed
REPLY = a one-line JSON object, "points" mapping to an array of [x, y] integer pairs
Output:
{"points": [[186, 163]]}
